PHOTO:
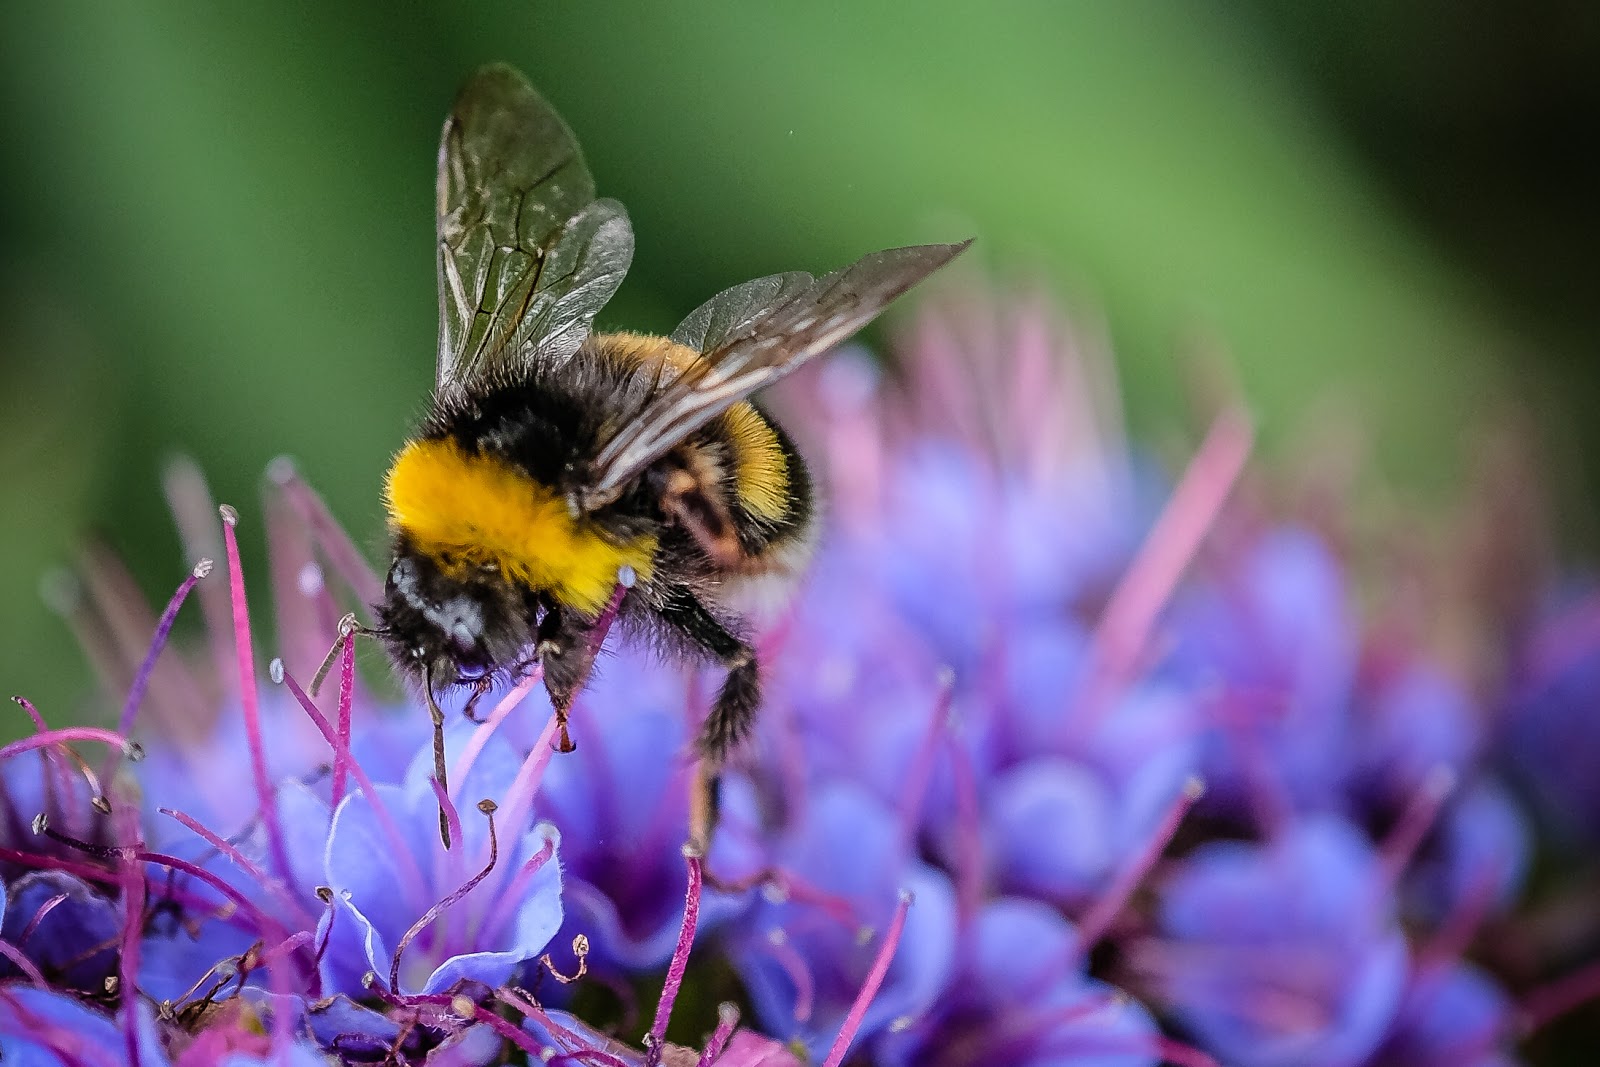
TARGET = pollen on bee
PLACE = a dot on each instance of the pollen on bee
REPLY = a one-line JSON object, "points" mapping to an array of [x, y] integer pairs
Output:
{"points": [[475, 512]]}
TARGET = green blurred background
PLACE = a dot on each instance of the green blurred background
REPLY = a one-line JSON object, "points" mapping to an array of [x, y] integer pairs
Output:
{"points": [[216, 228]]}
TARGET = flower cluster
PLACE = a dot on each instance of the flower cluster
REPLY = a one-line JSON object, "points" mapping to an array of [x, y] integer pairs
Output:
{"points": [[1062, 763]]}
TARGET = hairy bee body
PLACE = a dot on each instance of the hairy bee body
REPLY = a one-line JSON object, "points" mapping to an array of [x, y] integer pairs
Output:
{"points": [[561, 473], [487, 542]]}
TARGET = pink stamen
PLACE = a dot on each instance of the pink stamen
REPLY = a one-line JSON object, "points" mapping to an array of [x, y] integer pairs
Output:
{"points": [[158, 642], [869, 988], [915, 790], [264, 922], [227, 849], [132, 879], [341, 751], [427, 918], [969, 833], [29, 969], [575, 1044], [1548, 1002], [1124, 631], [1092, 927], [519, 798], [341, 552], [465, 1007], [655, 1040], [480, 737], [38, 917], [397, 843], [448, 864], [87, 872], [1418, 818], [62, 736], [727, 1019], [248, 697], [518, 886], [61, 776], [794, 965], [33, 713], [195, 513]]}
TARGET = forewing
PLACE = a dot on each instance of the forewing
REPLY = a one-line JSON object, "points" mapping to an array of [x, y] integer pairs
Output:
{"points": [[526, 255], [752, 336]]}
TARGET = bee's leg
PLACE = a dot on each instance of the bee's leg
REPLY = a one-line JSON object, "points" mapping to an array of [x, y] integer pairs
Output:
{"points": [[563, 647], [479, 688], [733, 713]]}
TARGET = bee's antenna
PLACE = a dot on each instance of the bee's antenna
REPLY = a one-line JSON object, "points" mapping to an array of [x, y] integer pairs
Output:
{"points": [[348, 628], [439, 771]]}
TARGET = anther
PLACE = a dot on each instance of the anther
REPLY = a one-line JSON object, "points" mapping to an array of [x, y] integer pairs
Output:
{"points": [[202, 568], [133, 751], [275, 671], [580, 949], [463, 1007], [229, 513], [41, 823]]}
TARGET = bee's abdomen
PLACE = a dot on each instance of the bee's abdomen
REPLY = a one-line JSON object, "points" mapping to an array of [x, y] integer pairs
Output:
{"points": [[761, 462]]}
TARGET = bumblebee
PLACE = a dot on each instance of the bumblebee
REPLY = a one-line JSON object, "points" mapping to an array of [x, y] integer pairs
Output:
{"points": [[563, 478]]}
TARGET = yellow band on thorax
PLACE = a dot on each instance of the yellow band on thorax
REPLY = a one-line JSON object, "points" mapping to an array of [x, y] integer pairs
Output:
{"points": [[477, 510]]}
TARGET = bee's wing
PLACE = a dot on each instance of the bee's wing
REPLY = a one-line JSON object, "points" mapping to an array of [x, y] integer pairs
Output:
{"points": [[749, 337], [527, 255]]}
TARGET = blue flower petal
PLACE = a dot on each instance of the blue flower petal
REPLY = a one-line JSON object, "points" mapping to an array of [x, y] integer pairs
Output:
{"points": [[363, 870], [75, 942]]}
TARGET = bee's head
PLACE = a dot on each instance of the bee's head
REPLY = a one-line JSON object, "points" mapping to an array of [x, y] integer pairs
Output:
{"points": [[445, 629]]}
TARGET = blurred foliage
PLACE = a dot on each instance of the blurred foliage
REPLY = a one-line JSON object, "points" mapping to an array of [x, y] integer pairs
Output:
{"points": [[217, 223]]}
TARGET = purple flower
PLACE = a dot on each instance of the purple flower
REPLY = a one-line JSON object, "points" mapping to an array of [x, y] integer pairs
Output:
{"points": [[1273, 642], [986, 714], [1020, 997], [66, 928], [499, 894], [621, 803], [804, 949], [1286, 953], [41, 1028], [1552, 727], [1451, 1016]]}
